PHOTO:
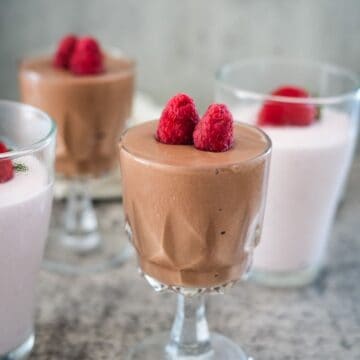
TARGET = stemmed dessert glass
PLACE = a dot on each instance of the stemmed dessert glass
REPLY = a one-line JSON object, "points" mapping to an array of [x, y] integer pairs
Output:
{"points": [[310, 163], [25, 208], [197, 237], [91, 112]]}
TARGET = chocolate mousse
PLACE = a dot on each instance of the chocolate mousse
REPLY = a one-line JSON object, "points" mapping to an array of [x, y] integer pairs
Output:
{"points": [[90, 110], [195, 216]]}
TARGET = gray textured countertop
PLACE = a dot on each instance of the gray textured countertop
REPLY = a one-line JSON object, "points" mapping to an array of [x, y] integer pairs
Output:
{"points": [[102, 316]]}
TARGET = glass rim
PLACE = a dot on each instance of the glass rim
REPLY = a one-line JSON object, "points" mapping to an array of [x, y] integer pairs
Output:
{"points": [[116, 52], [267, 150], [316, 100], [37, 145]]}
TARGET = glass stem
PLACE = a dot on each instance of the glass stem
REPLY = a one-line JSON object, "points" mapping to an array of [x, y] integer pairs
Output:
{"points": [[80, 221], [190, 333]]}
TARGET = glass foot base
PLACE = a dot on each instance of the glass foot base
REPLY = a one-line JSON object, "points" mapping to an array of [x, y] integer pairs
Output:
{"points": [[285, 278], [22, 351], [154, 348], [107, 251]]}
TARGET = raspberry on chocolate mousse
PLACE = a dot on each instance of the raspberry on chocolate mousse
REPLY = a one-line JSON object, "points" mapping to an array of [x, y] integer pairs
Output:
{"points": [[215, 130], [177, 121], [64, 51], [87, 57]]}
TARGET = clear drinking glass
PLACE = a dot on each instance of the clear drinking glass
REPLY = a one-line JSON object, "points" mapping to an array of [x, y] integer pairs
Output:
{"points": [[90, 112], [194, 225], [25, 207], [310, 164]]}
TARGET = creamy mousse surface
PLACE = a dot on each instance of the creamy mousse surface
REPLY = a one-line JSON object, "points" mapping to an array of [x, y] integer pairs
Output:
{"points": [[90, 111], [308, 169], [25, 203], [195, 216]]}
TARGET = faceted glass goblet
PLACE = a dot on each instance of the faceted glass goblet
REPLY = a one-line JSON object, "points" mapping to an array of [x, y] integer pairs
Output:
{"points": [[194, 218]]}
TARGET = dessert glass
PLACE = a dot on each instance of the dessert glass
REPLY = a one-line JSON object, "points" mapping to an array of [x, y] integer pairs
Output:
{"points": [[25, 207], [310, 164], [194, 221], [90, 112]]}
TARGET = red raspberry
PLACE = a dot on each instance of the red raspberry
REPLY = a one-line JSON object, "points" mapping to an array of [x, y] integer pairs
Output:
{"points": [[87, 58], [178, 121], [64, 51], [276, 113], [215, 131], [6, 167], [292, 91]]}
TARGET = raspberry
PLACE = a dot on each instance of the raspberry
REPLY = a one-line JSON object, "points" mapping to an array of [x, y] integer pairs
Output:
{"points": [[178, 121], [276, 113], [64, 51], [6, 167], [87, 58], [291, 91], [215, 130]]}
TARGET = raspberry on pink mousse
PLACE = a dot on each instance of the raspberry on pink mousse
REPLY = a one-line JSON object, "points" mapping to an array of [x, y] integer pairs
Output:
{"points": [[6, 166], [277, 113]]}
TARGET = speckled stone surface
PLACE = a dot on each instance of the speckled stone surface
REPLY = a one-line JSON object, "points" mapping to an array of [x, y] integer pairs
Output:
{"points": [[102, 316]]}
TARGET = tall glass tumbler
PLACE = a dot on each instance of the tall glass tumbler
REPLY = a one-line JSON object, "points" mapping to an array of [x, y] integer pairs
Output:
{"points": [[90, 112], [27, 152], [310, 162]]}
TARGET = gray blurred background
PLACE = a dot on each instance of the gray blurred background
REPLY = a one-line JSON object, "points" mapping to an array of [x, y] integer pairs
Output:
{"points": [[179, 44]]}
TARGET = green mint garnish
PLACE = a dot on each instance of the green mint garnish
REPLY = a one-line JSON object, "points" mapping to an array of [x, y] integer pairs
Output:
{"points": [[19, 167], [317, 109]]}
